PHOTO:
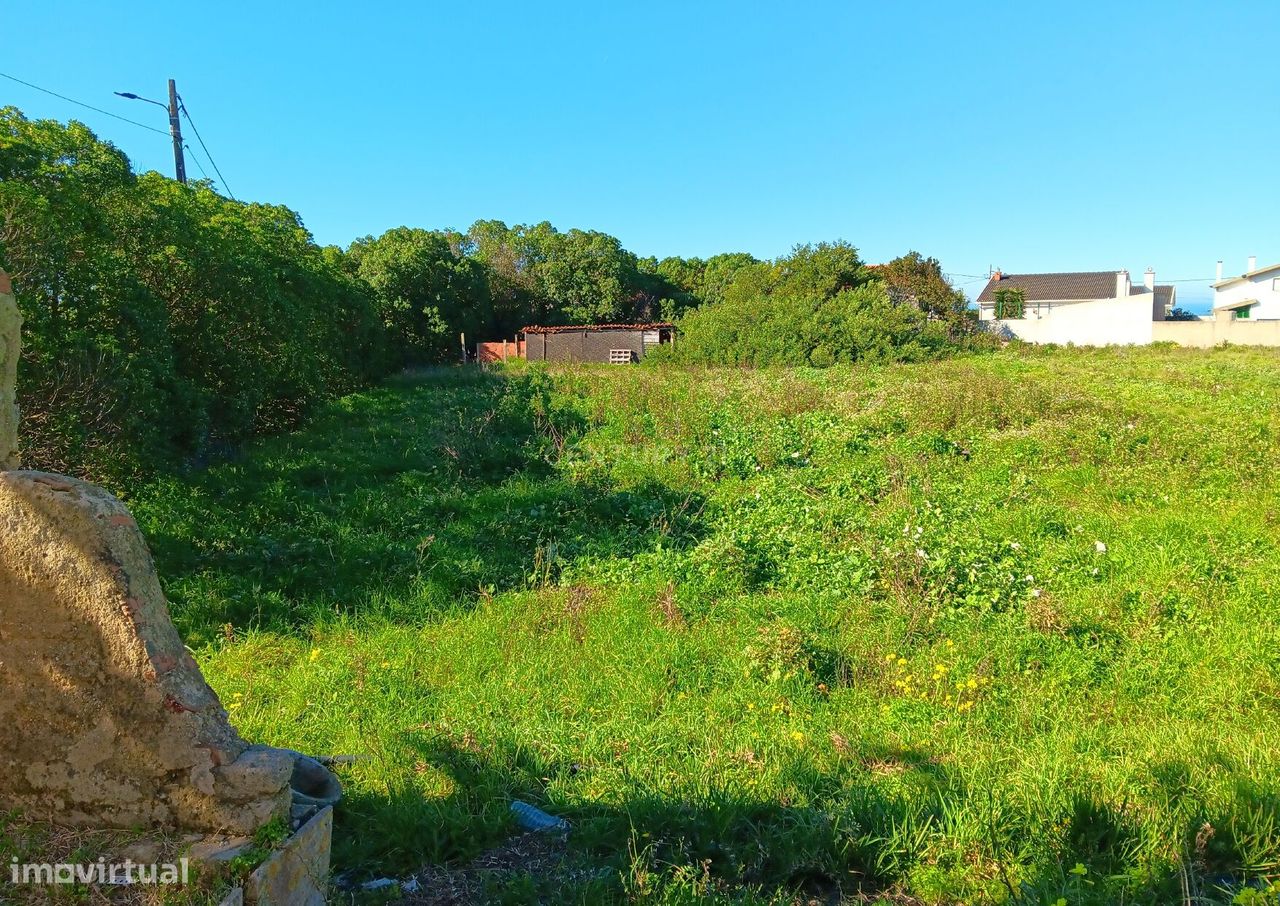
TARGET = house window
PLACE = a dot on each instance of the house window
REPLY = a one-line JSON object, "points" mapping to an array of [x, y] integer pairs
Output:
{"points": [[1242, 314], [619, 356]]}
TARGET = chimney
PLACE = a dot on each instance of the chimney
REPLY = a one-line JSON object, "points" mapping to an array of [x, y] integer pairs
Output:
{"points": [[1149, 279], [996, 275], [1253, 264], [1218, 279], [1122, 284]]}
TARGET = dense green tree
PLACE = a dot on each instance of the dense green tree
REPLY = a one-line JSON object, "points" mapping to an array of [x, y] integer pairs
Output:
{"points": [[511, 287], [917, 280], [428, 291], [720, 272], [162, 321], [690, 282], [538, 274], [587, 276], [820, 270], [824, 269], [819, 305], [852, 325], [166, 321]]}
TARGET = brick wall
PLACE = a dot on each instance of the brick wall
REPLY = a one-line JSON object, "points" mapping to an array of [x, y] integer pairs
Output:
{"points": [[500, 351]]}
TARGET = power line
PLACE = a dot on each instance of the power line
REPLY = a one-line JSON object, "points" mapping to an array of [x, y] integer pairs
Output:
{"points": [[1181, 280], [197, 160], [183, 107], [83, 104]]}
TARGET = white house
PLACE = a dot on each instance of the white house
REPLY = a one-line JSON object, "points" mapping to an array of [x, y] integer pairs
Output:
{"points": [[1254, 295], [1087, 308]]}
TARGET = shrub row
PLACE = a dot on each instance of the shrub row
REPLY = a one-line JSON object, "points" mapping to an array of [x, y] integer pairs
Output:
{"points": [[163, 322], [167, 323]]}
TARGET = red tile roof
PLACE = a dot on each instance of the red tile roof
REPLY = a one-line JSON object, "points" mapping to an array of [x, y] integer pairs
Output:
{"points": [[568, 328]]}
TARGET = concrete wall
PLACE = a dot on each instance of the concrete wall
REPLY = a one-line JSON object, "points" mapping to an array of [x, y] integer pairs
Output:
{"points": [[582, 345], [1222, 329], [1261, 287], [1098, 322]]}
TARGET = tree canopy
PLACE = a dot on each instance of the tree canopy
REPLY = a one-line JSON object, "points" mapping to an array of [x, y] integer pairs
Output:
{"points": [[165, 322]]}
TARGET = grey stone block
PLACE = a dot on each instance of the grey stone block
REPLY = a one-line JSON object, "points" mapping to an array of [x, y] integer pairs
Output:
{"points": [[298, 873]]}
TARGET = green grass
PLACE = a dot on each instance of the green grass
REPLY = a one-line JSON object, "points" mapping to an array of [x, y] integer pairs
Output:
{"points": [[996, 629]]}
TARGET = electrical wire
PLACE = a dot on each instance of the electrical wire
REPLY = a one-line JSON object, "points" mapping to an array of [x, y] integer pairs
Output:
{"points": [[83, 104], [1180, 280], [182, 105], [196, 159]]}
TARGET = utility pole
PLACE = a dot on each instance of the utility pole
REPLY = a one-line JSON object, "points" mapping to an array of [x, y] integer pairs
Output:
{"points": [[175, 129]]}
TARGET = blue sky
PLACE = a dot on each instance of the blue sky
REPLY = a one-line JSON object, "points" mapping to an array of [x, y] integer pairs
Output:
{"points": [[1083, 136]]}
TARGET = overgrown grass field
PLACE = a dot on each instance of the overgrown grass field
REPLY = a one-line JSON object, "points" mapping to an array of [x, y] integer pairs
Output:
{"points": [[996, 629]]}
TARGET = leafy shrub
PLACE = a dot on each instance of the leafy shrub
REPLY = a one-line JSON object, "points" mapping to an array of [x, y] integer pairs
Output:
{"points": [[163, 322], [1010, 303], [859, 325]]}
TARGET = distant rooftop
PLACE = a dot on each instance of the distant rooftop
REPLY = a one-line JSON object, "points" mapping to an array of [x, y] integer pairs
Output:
{"points": [[1069, 286]]}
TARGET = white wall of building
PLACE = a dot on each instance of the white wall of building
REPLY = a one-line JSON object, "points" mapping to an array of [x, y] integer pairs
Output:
{"points": [[1263, 287], [1096, 322]]}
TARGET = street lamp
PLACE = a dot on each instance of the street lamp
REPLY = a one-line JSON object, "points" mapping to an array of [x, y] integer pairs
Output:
{"points": [[175, 128], [134, 97]]}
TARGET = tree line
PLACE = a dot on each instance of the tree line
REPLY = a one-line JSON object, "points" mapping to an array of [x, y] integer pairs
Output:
{"points": [[165, 324]]}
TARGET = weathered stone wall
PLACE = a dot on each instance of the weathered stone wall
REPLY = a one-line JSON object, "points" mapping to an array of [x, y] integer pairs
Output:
{"points": [[10, 337], [105, 719]]}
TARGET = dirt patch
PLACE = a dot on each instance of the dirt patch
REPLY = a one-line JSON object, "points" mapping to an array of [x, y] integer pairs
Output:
{"points": [[539, 855]]}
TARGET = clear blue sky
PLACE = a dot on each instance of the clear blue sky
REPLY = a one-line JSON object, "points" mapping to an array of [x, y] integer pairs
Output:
{"points": [[1088, 136]]}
